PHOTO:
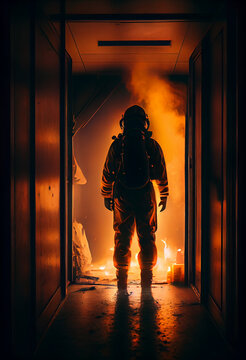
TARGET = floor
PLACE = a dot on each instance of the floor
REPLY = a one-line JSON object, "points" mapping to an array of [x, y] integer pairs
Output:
{"points": [[97, 323]]}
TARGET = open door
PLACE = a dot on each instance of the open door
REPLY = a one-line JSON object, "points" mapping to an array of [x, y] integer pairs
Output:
{"points": [[207, 172], [215, 218], [195, 171]]}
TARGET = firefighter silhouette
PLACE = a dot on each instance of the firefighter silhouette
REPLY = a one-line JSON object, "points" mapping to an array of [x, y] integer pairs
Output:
{"points": [[134, 159]]}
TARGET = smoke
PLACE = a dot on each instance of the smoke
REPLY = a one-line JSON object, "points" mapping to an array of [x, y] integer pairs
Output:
{"points": [[165, 102]]}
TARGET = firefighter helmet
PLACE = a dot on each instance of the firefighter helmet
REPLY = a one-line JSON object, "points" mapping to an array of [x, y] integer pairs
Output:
{"points": [[133, 117]]}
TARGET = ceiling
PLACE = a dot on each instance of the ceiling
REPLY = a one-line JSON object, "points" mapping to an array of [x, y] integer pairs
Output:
{"points": [[82, 36], [143, 6], [82, 45]]}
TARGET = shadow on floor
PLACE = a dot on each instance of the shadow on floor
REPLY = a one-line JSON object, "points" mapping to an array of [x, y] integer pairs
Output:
{"points": [[165, 323]]}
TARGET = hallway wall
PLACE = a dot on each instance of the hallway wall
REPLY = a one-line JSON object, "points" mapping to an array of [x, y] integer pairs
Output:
{"points": [[47, 173], [213, 176], [208, 121], [21, 176], [238, 209], [215, 148], [33, 238]]}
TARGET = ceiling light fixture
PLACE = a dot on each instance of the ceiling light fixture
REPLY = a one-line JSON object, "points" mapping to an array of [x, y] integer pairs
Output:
{"points": [[134, 43]]}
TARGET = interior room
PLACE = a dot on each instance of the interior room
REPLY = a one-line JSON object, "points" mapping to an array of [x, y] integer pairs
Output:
{"points": [[106, 81]]}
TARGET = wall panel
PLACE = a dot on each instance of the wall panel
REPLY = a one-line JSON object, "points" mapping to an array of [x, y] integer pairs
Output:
{"points": [[198, 170], [21, 222], [216, 184], [195, 171], [217, 170], [209, 213], [47, 149]]}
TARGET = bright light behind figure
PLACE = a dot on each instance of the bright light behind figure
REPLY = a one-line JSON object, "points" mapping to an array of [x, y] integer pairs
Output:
{"points": [[165, 104]]}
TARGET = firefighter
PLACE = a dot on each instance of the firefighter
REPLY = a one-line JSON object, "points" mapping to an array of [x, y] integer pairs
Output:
{"points": [[134, 159]]}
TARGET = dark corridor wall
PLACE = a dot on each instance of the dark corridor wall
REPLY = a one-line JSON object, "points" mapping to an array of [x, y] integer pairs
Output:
{"points": [[22, 274], [47, 171], [217, 179], [32, 140], [208, 115], [213, 241]]}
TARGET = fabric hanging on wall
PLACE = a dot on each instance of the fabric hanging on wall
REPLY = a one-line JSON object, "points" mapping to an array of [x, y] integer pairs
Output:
{"points": [[78, 176], [81, 251]]}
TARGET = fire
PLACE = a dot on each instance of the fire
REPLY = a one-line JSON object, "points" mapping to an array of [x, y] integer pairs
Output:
{"points": [[167, 268], [164, 102]]}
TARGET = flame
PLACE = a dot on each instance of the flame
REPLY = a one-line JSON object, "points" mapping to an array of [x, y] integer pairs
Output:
{"points": [[165, 244], [164, 102]]}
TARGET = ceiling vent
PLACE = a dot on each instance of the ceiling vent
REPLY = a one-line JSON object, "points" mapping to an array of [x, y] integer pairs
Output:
{"points": [[134, 43]]}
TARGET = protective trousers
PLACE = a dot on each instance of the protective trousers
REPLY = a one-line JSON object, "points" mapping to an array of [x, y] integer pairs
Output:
{"points": [[135, 208]]}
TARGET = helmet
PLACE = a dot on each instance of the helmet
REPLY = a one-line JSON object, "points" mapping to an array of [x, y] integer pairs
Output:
{"points": [[135, 117]]}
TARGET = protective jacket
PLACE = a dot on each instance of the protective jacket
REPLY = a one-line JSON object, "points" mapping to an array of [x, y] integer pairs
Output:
{"points": [[134, 208], [113, 161]]}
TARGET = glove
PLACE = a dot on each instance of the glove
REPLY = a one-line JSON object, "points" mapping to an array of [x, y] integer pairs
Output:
{"points": [[163, 203], [109, 203]]}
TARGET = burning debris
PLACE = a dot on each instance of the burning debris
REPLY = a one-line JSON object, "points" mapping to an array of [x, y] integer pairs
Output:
{"points": [[169, 268], [165, 105]]}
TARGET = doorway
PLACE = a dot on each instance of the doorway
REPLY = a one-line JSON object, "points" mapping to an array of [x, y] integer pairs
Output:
{"points": [[107, 80]]}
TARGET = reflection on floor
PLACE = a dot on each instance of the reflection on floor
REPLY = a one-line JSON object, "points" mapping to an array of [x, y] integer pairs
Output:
{"points": [[169, 323]]}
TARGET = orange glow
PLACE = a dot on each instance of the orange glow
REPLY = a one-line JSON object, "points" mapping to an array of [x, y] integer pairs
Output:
{"points": [[164, 102], [177, 272]]}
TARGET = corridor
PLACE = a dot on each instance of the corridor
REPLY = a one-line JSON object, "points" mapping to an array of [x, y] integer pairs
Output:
{"points": [[70, 70], [169, 323]]}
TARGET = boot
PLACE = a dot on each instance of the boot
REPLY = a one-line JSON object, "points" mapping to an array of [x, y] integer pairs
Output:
{"points": [[146, 278], [121, 275]]}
